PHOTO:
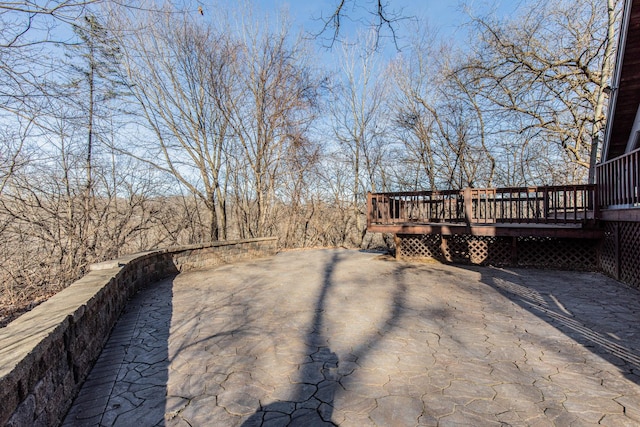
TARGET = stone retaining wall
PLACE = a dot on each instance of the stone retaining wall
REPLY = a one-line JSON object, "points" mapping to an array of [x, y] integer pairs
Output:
{"points": [[46, 354]]}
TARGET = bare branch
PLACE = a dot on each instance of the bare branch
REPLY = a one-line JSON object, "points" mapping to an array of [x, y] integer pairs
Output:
{"points": [[382, 19]]}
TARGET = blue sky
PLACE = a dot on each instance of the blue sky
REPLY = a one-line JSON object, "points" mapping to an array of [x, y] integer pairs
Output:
{"points": [[446, 16]]}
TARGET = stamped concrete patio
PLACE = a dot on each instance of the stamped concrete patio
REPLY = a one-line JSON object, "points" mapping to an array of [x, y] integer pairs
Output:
{"points": [[339, 337]]}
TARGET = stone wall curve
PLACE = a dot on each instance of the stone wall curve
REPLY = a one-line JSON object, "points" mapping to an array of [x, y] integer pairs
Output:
{"points": [[46, 354]]}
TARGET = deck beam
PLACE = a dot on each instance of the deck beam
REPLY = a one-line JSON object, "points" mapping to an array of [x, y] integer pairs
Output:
{"points": [[502, 230]]}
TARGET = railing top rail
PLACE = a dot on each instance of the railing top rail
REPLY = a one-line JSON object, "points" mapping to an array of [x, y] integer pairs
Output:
{"points": [[419, 193], [615, 159], [528, 189]]}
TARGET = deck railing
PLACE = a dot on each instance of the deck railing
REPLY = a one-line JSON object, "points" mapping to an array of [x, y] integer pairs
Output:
{"points": [[619, 181], [539, 205]]}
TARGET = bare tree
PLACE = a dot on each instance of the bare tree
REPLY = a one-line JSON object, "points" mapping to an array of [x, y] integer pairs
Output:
{"points": [[179, 70], [98, 78], [30, 35], [550, 66], [65, 201], [48, 237], [438, 120], [358, 117], [269, 111], [30, 29]]}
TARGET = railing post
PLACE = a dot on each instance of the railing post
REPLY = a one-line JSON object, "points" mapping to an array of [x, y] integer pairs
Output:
{"points": [[369, 209], [468, 205]]}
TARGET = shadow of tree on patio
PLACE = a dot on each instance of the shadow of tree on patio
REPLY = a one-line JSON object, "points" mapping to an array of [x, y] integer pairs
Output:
{"points": [[319, 380], [597, 312]]}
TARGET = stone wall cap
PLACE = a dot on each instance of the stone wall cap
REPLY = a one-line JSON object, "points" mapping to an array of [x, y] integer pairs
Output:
{"points": [[120, 262], [218, 243]]}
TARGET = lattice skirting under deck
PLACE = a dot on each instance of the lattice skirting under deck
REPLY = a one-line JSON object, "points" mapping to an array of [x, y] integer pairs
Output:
{"points": [[620, 252], [575, 254]]}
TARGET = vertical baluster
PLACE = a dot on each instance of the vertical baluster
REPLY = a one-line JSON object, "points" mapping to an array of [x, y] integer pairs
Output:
{"points": [[623, 173], [606, 185], [628, 173], [632, 187], [612, 180], [494, 213], [612, 187], [529, 212], [619, 177], [575, 203], [389, 209], [636, 177], [539, 202], [428, 207], [545, 205], [491, 208], [568, 198], [532, 196]]}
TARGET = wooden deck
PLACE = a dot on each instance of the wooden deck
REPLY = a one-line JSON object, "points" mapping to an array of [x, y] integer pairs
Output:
{"points": [[549, 211]]}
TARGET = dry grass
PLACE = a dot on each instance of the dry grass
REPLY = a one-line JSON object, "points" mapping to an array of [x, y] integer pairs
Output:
{"points": [[9, 311], [36, 263]]}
